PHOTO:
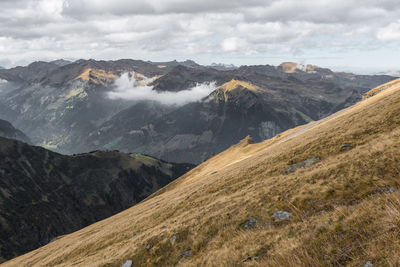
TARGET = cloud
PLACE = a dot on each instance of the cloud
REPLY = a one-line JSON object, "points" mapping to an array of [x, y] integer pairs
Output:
{"points": [[127, 87], [167, 29], [389, 33]]}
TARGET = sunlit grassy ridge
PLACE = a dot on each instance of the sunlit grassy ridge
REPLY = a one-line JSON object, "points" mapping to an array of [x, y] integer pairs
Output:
{"points": [[382, 87], [234, 84], [346, 210], [96, 76]]}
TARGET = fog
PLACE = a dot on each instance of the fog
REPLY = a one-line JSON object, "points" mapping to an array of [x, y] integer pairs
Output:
{"points": [[128, 87]]}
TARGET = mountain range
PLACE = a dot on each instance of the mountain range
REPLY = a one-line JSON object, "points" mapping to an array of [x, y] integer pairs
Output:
{"points": [[321, 194], [75, 107]]}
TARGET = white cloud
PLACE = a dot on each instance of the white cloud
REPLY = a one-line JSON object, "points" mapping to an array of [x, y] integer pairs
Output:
{"points": [[230, 44], [389, 33], [127, 87]]}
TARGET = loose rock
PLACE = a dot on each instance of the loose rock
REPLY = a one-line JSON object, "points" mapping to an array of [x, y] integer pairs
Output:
{"points": [[368, 264], [282, 216], [391, 190], [302, 164], [346, 146], [148, 247], [250, 223], [128, 263], [173, 239], [249, 258], [186, 253]]}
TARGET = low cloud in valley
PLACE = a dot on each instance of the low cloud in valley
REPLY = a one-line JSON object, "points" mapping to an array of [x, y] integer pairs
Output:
{"points": [[128, 87]]}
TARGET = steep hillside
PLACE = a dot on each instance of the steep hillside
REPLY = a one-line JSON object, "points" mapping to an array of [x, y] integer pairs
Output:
{"points": [[44, 195], [8, 130], [323, 194]]}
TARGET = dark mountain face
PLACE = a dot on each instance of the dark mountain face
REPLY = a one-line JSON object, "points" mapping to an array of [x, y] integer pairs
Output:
{"points": [[44, 194], [68, 109], [31, 73], [8, 130], [61, 62]]}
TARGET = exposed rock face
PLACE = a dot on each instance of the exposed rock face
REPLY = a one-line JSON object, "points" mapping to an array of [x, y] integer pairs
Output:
{"points": [[44, 194]]}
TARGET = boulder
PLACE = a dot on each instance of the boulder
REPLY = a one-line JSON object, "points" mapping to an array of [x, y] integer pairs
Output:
{"points": [[346, 146], [282, 216], [302, 164], [186, 253], [173, 239], [128, 263], [250, 223]]}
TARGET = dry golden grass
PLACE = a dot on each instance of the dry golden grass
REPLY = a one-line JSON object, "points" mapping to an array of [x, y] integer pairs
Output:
{"points": [[289, 67], [382, 87], [343, 214], [234, 84], [96, 76]]}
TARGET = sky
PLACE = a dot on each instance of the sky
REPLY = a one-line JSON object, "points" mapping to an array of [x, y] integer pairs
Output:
{"points": [[362, 36]]}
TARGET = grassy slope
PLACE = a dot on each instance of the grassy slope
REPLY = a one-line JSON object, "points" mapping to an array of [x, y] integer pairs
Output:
{"points": [[342, 213]]}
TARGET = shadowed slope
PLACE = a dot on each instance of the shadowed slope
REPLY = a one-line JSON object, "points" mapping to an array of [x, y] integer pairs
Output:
{"points": [[45, 194]]}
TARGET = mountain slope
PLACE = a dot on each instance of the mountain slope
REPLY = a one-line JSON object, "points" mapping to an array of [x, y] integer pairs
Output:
{"points": [[66, 107], [45, 194], [322, 194], [7, 130], [250, 103]]}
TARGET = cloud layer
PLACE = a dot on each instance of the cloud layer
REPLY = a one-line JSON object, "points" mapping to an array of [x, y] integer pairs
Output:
{"points": [[209, 29], [127, 87]]}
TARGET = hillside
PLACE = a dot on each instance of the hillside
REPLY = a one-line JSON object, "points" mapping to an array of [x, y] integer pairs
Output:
{"points": [[322, 194], [44, 195]]}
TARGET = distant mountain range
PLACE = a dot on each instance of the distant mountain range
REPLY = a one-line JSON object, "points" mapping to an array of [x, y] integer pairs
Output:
{"points": [[391, 73], [66, 106]]}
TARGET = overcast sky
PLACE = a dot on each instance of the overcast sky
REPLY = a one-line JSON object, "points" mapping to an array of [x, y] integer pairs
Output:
{"points": [[352, 34]]}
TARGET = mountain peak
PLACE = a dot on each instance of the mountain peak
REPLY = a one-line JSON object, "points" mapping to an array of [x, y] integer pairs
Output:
{"points": [[61, 62], [235, 84], [292, 67]]}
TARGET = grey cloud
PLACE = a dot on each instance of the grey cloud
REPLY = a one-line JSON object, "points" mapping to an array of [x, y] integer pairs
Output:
{"points": [[127, 7], [47, 29]]}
